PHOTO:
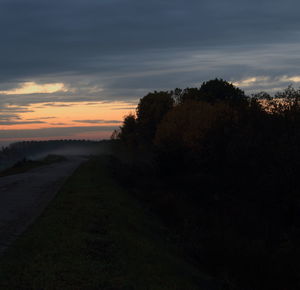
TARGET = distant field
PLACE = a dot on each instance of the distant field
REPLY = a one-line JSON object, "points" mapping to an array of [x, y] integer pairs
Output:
{"points": [[94, 235]]}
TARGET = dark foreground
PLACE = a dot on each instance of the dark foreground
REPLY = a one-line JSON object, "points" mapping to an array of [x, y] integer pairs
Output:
{"points": [[24, 196], [94, 235]]}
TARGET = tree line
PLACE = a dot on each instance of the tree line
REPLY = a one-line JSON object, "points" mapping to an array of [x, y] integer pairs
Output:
{"points": [[221, 169]]}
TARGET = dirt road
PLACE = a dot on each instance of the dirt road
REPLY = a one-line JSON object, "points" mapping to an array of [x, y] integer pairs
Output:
{"points": [[23, 197]]}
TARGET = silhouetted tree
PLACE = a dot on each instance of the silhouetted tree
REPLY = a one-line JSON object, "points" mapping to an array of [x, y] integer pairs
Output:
{"points": [[218, 89], [150, 111], [262, 96], [214, 90], [190, 94], [128, 131], [188, 124], [228, 182]]}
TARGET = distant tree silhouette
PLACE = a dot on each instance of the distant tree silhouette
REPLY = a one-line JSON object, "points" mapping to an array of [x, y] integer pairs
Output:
{"points": [[212, 91], [128, 132], [287, 103], [150, 111], [190, 94], [262, 96], [218, 89]]}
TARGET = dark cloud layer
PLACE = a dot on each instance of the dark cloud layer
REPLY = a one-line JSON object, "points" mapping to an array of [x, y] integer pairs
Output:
{"points": [[9, 123], [41, 38]]}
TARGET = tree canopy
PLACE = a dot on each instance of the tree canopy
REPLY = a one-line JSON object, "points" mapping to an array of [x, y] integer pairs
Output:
{"points": [[214, 90], [226, 171]]}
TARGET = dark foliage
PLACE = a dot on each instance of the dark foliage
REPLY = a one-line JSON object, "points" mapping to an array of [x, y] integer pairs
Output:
{"points": [[224, 176], [213, 91], [150, 111], [139, 131]]}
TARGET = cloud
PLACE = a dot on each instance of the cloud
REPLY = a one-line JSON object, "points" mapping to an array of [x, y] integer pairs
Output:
{"points": [[28, 88], [53, 132], [124, 108], [40, 118], [8, 117], [9, 123], [250, 81], [91, 45], [15, 119], [268, 84], [5, 108], [98, 121], [55, 105], [294, 79]]}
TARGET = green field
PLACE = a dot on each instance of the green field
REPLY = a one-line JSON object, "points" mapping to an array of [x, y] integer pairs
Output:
{"points": [[95, 235]]}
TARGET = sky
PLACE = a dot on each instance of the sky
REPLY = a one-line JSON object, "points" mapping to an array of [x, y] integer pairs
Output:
{"points": [[75, 68]]}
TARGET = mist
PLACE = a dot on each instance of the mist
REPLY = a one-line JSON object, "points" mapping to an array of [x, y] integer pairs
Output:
{"points": [[35, 150]]}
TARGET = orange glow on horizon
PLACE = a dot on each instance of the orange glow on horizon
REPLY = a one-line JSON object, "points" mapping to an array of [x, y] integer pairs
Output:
{"points": [[82, 114], [105, 115]]}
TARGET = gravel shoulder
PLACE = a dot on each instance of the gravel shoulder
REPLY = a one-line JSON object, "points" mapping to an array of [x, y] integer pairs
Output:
{"points": [[23, 197]]}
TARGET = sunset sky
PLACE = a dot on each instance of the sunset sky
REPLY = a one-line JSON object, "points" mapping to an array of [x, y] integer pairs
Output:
{"points": [[74, 68]]}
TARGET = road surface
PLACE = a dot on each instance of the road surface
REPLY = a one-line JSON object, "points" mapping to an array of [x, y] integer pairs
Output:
{"points": [[23, 197]]}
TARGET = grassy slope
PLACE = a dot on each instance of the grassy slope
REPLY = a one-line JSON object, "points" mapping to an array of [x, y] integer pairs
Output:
{"points": [[94, 235]]}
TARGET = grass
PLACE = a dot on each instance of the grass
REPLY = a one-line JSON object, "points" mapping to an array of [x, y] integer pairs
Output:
{"points": [[26, 165], [94, 235]]}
